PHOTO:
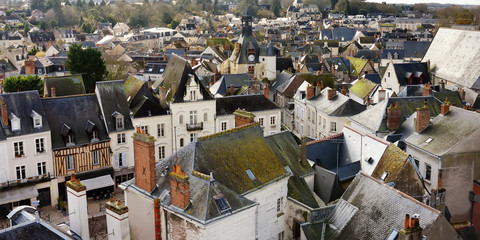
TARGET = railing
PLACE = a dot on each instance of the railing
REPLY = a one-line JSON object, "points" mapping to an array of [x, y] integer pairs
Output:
{"points": [[194, 127], [26, 181]]}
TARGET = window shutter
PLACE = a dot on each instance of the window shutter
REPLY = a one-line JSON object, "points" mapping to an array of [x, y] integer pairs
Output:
{"points": [[124, 159], [116, 160]]}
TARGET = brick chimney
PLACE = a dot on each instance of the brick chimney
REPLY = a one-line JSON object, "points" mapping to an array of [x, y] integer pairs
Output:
{"points": [[29, 67], [382, 93], [227, 46], [427, 90], [266, 92], [445, 107], [393, 117], [243, 117], [411, 229], [164, 57], [117, 220], [162, 97], [179, 188], [442, 85], [423, 118], [318, 89], [77, 207], [193, 61], [144, 157], [53, 92], [217, 76], [333, 70], [461, 92], [344, 91], [3, 109], [476, 205], [331, 93], [310, 91]]}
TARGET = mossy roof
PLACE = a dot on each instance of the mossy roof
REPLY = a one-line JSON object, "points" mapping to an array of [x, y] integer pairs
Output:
{"points": [[65, 85], [357, 65], [298, 190], [363, 87], [392, 161], [327, 79], [222, 41], [132, 86], [230, 154]]}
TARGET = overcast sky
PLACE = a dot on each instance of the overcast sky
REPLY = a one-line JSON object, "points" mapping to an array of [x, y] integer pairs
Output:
{"points": [[458, 2]]}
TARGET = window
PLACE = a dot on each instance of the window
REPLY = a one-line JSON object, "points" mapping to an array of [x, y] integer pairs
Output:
{"points": [[42, 168], [279, 205], [161, 130], [161, 152], [70, 162], [94, 135], [119, 121], [223, 126], [428, 172], [333, 126], [144, 128], [70, 139], [180, 119], [193, 137], [37, 122], [18, 149], [181, 142], [20, 172], [192, 96], [205, 117], [193, 117], [250, 174], [251, 69], [281, 235], [272, 120], [121, 138], [260, 121], [417, 163], [96, 157], [39, 145], [388, 74], [296, 229], [324, 123]]}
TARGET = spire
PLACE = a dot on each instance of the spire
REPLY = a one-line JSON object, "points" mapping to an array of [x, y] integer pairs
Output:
{"points": [[271, 50]]}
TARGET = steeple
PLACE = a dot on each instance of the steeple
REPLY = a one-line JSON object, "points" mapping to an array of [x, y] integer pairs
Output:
{"points": [[247, 23]]}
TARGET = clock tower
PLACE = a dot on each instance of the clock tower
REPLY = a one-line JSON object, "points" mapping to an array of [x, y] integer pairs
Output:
{"points": [[247, 23]]}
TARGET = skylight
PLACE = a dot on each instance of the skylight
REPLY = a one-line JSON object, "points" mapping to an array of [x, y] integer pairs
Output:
{"points": [[429, 140], [250, 174], [384, 175]]}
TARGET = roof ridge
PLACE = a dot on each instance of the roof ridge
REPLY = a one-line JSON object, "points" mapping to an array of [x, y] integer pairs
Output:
{"points": [[71, 96], [236, 129], [325, 139]]}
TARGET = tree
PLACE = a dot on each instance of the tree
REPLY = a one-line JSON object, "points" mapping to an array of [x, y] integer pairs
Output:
{"points": [[91, 4], [215, 7], [89, 63], [276, 7], [37, 4], [24, 83], [67, 3], [43, 25], [26, 27], [102, 3]]}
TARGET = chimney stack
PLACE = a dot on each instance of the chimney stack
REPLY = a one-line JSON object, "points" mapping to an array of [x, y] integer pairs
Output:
{"points": [[333, 70], [318, 89], [445, 107], [381, 94], [411, 229], [193, 61], [162, 96], [243, 117], [179, 188], [117, 220], [461, 92], [164, 57], [217, 76], [303, 152], [393, 117], [427, 90], [144, 157], [77, 207], [310, 91], [344, 91], [29, 67], [266, 92], [423, 118], [442, 85], [52, 92], [331, 93], [4, 111]]}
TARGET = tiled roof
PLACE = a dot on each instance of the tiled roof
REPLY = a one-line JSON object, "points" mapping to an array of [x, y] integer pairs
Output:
{"points": [[250, 103], [113, 99], [65, 85], [363, 87]]}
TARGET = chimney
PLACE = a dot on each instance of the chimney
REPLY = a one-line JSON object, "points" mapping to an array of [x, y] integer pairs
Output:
{"points": [[318, 89], [333, 70], [158, 218], [445, 107], [162, 96], [52, 92], [193, 61], [179, 188], [428, 65], [149, 82], [217, 76], [462, 94], [310, 91], [227, 46], [423, 118], [29, 67], [303, 152], [476, 205], [411, 229], [321, 85], [381, 94], [164, 57], [210, 60], [4, 111], [236, 51], [144, 158], [331, 93], [442, 85], [117, 220], [266, 92], [427, 90], [77, 207], [344, 91], [231, 90], [323, 70], [243, 117], [393, 117]]}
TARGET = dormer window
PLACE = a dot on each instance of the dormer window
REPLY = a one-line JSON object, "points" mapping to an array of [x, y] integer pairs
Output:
{"points": [[92, 131], [70, 140], [67, 135], [15, 122], [37, 119], [118, 120]]}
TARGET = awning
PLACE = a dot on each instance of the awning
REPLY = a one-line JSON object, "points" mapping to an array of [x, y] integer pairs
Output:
{"points": [[98, 182], [18, 194]]}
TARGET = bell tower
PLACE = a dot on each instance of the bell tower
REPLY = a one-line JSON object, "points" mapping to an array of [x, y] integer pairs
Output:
{"points": [[247, 23]]}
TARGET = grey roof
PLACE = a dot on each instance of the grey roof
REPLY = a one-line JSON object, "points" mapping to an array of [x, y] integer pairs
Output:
{"points": [[281, 82], [340, 105], [462, 49], [446, 131], [415, 49], [74, 112], [32, 231], [235, 80], [65, 85], [342, 34], [112, 98], [393, 54], [250, 103], [404, 70], [22, 105], [374, 77]]}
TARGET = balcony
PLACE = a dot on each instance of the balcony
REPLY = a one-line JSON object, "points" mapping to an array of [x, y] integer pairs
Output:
{"points": [[26, 181], [195, 127]]}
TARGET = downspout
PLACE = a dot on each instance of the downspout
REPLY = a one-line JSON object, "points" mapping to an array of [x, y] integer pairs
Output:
{"points": [[158, 230]]}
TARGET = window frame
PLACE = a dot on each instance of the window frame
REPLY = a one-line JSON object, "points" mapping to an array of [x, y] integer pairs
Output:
{"points": [[272, 120], [22, 171], [70, 161], [121, 138], [161, 152], [96, 157], [193, 117], [41, 168], [428, 172], [223, 125], [161, 129], [18, 149], [40, 145]]}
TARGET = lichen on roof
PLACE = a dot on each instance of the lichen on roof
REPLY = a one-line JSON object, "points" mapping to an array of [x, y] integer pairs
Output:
{"points": [[357, 65], [363, 87], [298, 190], [132, 86], [392, 162]]}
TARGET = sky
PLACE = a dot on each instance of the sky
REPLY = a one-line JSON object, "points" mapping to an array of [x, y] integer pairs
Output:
{"points": [[457, 2]]}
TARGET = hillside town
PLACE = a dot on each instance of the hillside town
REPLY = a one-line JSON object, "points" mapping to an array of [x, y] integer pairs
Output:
{"points": [[266, 121]]}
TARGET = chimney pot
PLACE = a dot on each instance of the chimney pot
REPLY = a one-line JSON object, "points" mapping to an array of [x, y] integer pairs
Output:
{"points": [[331, 93], [423, 118], [310, 91], [393, 117], [53, 92], [266, 92], [407, 221]]}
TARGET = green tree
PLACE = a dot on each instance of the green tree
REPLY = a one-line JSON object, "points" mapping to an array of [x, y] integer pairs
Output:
{"points": [[24, 83], [215, 7], [37, 4], [91, 4], [26, 27], [102, 3], [89, 63], [276, 7], [43, 25], [67, 3], [33, 51]]}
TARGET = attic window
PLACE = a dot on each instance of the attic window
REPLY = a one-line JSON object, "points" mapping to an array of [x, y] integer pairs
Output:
{"points": [[384, 176], [118, 120], [15, 122], [370, 160], [250, 174], [429, 140], [221, 203], [37, 119]]}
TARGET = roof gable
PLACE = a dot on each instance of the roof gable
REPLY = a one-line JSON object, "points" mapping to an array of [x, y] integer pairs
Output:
{"points": [[113, 101]]}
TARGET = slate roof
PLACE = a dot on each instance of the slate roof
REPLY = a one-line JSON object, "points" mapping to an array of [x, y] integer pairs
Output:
{"points": [[22, 105], [113, 100], [31, 231], [42, 36], [236, 80], [446, 131], [370, 209], [340, 105], [65, 85], [462, 49], [250, 103], [155, 68], [390, 53], [402, 70], [284, 63], [392, 161], [415, 49], [6, 66], [75, 112], [298, 190], [367, 54], [338, 33], [363, 87]]}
